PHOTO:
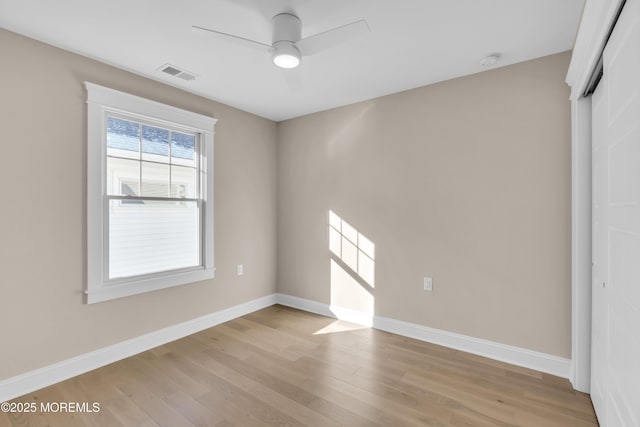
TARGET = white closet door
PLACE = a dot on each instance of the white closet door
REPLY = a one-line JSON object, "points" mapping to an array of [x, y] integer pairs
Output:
{"points": [[615, 358], [598, 235]]}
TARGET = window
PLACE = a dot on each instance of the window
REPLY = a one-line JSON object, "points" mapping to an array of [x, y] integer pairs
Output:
{"points": [[149, 195]]}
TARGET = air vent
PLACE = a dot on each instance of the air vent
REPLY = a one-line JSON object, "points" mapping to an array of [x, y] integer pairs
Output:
{"points": [[172, 70], [186, 76]]}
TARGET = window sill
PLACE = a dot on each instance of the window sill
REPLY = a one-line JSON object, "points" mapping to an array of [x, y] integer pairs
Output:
{"points": [[139, 286]]}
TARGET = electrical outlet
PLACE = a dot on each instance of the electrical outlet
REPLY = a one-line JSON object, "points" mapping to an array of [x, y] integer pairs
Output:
{"points": [[428, 284], [240, 270]]}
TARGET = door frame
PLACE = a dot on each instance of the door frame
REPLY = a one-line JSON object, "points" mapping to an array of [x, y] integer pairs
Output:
{"points": [[597, 20]]}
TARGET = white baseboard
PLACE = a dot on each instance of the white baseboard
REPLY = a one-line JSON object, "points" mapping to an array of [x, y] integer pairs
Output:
{"points": [[341, 313], [305, 305], [44, 377], [518, 356]]}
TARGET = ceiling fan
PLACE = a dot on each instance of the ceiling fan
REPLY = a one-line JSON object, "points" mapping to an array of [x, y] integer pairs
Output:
{"points": [[287, 45]]}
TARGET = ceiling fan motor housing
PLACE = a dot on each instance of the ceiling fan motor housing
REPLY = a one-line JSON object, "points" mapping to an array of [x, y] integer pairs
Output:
{"points": [[286, 27]]}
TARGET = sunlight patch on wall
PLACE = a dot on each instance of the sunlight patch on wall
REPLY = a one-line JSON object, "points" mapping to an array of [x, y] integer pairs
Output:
{"points": [[352, 271], [352, 248]]}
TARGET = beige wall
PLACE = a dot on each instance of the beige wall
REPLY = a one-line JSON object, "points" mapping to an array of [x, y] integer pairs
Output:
{"points": [[467, 181], [42, 213]]}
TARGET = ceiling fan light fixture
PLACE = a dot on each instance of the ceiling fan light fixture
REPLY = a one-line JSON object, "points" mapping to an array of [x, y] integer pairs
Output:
{"points": [[286, 55], [287, 45]]}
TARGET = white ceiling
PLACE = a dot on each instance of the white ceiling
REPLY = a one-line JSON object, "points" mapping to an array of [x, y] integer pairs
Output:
{"points": [[412, 43]]}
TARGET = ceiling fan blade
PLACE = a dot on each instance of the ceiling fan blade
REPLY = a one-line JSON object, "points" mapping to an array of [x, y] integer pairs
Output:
{"points": [[230, 38], [319, 42]]}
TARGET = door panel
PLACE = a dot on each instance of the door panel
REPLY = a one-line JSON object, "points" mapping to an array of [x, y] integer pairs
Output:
{"points": [[598, 314], [616, 228]]}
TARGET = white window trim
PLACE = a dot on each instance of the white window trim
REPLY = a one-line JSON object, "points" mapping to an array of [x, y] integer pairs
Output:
{"points": [[100, 100]]}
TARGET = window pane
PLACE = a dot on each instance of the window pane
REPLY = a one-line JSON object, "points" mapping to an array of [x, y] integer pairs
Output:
{"points": [[155, 180], [123, 177], [183, 182], [155, 144], [123, 138], [150, 237], [183, 149]]}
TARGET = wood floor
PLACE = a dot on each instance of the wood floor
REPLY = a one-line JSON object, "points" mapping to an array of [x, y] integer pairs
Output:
{"points": [[284, 367]]}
